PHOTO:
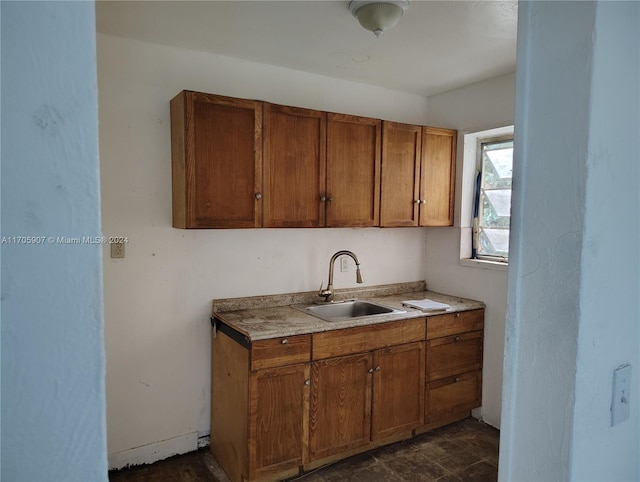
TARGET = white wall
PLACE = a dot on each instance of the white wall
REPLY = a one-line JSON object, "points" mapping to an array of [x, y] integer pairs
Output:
{"points": [[53, 396], [480, 106], [574, 280], [158, 299]]}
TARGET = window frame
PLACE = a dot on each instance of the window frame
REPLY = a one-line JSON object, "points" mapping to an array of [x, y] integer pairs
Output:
{"points": [[465, 190], [475, 231]]}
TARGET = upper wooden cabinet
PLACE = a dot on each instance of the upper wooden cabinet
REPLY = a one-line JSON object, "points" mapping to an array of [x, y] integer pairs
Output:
{"points": [[400, 184], [240, 163], [418, 175], [437, 176], [216, 153], [294, 166], [353, 170]]}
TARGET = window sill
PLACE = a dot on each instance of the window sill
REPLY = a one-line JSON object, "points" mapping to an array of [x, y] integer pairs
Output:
{"points": [[484, 264]]}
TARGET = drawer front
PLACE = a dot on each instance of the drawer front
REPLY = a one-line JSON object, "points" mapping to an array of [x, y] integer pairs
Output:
{"points": [[454, 323], [278, 352], [452, 355], [452, 395], [367, 338]]}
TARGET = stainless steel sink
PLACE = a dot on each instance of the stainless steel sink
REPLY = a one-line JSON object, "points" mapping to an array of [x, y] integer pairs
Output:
{"points": [[346, 310]]}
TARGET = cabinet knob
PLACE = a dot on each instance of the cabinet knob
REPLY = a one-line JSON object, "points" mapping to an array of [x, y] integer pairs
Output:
{"points": [[258, 195], [329, 199], [457, 379], [457, 338], [370, 370], [377, 369], [323, 198], [307, 382], [457, 315], [284, 342], [423, 201], [417, 201]]}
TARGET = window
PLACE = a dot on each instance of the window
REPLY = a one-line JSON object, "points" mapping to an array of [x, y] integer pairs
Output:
{"points": [[492, 207]]}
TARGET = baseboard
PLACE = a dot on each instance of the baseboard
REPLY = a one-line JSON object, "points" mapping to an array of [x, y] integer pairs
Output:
{"points": [[147, 454]]}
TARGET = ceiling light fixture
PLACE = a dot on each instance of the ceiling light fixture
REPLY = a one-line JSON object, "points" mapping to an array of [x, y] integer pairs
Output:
{"points": [[378, 16]]}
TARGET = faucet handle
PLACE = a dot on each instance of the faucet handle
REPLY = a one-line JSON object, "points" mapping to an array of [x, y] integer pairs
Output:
{"points": [[321, 290]]}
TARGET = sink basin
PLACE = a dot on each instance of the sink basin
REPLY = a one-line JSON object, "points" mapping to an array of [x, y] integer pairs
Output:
{"points": [[346, 310]]}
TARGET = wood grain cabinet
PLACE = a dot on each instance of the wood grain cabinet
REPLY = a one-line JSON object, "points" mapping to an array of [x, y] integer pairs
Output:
{"points": [[418, 175], [283, 406], [363, 398], [259, 405], [239, 163], [216, 156], [437, 176], [294, 167], [353, 171], [400, 180], [454, 366]]}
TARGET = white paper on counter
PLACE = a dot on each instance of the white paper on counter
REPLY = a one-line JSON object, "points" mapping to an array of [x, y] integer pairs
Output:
{"points": [[426, 305]]}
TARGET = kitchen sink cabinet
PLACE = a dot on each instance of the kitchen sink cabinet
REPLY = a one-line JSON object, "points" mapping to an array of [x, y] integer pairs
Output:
{"points": [[353, 171], [398, 395], [340, 413], [216, 158], [294, 166], [361, 399], [283, 406], [453, 366]]}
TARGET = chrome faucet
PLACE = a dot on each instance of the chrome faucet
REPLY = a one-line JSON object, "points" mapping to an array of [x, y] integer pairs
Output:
{"points": [[327, 293]]}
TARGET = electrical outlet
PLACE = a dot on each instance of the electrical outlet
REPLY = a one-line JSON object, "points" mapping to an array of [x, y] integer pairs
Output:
{"points": [[344, 264], [117, 250]]}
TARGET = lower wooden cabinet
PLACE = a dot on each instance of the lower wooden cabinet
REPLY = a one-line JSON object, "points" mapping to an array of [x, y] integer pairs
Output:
{"points": [[452, 395], [454, 366], [340, 414], [398, 390], [278, 411], [283, 406]]}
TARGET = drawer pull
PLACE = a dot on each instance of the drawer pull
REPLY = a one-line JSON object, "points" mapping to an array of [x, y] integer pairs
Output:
{"points": [[457, 338], [457, 315], [457, 379], [284, 342]]}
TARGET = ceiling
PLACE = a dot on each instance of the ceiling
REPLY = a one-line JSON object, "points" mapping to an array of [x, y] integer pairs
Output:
{"points": [[437, 45]]}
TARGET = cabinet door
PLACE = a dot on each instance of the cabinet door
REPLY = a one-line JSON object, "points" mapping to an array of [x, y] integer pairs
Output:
{"points": [[400, 177], [438, 177], [398, 390], [340, 408], [294, 167], [451, 396], [278, 414], [353, 171], [454, 354], [216, 161]]}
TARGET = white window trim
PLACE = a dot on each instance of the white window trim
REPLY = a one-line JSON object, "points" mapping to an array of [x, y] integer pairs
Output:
{"points": [[470, 145]]}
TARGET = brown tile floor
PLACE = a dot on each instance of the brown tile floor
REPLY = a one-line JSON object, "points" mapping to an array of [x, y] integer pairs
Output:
{"points": [[464, 451]]}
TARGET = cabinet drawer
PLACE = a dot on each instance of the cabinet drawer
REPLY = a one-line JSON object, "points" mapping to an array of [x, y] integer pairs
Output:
{"points": [[280, 351], [451, 355], [367, 338], [454, 394], [453, 323]]}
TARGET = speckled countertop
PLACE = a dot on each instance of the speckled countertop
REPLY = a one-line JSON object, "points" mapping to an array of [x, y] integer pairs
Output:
{"points": [[263, 317]]}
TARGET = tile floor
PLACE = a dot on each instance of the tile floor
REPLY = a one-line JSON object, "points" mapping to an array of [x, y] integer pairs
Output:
{"points": [[464, 451]]}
